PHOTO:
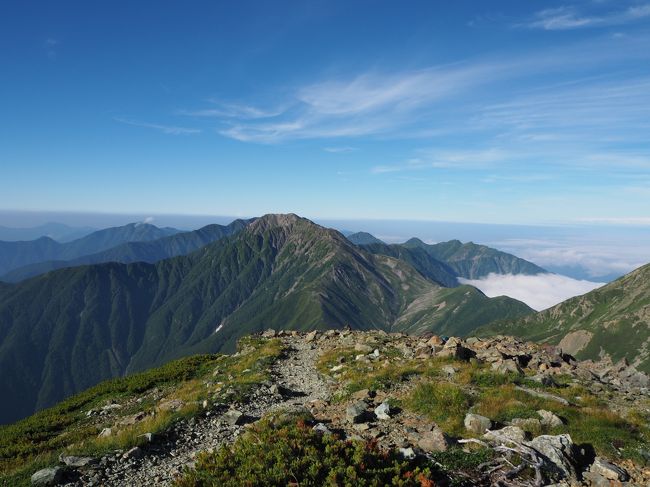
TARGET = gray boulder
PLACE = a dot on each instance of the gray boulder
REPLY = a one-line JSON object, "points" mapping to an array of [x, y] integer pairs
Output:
{"points": [[549, 419], [383, 411], [508, 434], [558, 454], [476, 423], [356, 412], [48, 476], [77, 462], [233, 417], [433, 441], [609, 470]]}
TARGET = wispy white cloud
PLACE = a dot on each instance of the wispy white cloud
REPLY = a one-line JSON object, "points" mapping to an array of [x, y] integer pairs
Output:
{"points": [[566, 17], [632, 220], [231, 110], [166, 129], [340, 149], [540, 291], [457, 159]]}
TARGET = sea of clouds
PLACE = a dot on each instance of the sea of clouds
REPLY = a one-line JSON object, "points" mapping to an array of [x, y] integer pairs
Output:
{"points": [[539, 291]]}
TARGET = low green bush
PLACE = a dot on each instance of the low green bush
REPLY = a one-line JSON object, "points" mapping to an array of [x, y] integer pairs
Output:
{"points": [[293, 454]]}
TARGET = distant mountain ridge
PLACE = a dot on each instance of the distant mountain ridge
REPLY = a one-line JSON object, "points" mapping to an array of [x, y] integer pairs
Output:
{"points": [[613, 320], [363, 238], [150, 251], [18, 254], [56, 231], [69, 329], [450, 260]]}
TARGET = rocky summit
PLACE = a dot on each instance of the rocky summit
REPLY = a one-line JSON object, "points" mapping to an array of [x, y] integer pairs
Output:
{"points": [[440, 410]]}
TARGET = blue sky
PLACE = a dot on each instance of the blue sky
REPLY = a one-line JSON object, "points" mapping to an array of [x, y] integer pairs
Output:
{"points": [[499, 112]]}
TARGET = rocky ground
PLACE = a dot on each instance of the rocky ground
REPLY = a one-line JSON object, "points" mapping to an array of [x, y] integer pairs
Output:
{"points": [[304, 378]]}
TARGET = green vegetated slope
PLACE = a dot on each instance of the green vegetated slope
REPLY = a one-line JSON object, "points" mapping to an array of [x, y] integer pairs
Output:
{"points": [[37, 441], [69, 329], [473, 261], [137, 251], [612, 320], [22, 253], [420, 259]]}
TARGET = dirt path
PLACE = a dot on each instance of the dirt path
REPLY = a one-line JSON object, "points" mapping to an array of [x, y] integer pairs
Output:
{"points": [[299, 383]]}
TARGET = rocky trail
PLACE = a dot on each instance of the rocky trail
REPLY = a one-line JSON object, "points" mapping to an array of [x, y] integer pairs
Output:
{"points": [[295, 382]]}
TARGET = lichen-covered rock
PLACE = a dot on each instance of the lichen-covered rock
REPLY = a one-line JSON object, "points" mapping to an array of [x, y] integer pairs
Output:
{"points": [[476, 423], [558, 453]]}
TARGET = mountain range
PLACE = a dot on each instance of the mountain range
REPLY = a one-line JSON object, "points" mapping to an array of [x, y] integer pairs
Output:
{"points": [[21, 253], [56, 231], [66, 330], [136, 249], [613, 321]]}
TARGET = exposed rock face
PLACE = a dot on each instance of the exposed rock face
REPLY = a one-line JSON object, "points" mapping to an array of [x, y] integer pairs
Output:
{"points": [[575, 341]]}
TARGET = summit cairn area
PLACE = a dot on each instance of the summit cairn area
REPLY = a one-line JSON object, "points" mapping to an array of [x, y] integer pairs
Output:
{"points": [[444, 410]]}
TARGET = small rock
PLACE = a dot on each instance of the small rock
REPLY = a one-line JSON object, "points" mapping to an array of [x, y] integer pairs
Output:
{"points": [[508, 434], [148, 437], [72, 461], [433, 441], [507, 367], [435, 341], [529, 424], [48, 476], [361, 426], [356, 412], [477, 424], [336, 368], [135, 452], [322, 429], [609, 470], [274, 389], [311, 336], [270, 333], [449, 370], [363, 348], [383, 411], [233, 417], [549, 419], [171, 405], [106, 432], [407, 453], [363, 394]]}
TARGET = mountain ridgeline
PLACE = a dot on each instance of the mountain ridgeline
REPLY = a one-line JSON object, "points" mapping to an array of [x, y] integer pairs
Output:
{"points": [[21, 253], [147, 250], [66, 330], [613, 321], [445, 262]]}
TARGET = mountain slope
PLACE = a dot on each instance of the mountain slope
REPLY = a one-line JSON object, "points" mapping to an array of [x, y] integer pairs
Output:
{"points": [[18, 254], [473, 261], [420, 259], [612, 320], [363, 238], [139, 251], [66, 330]]}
